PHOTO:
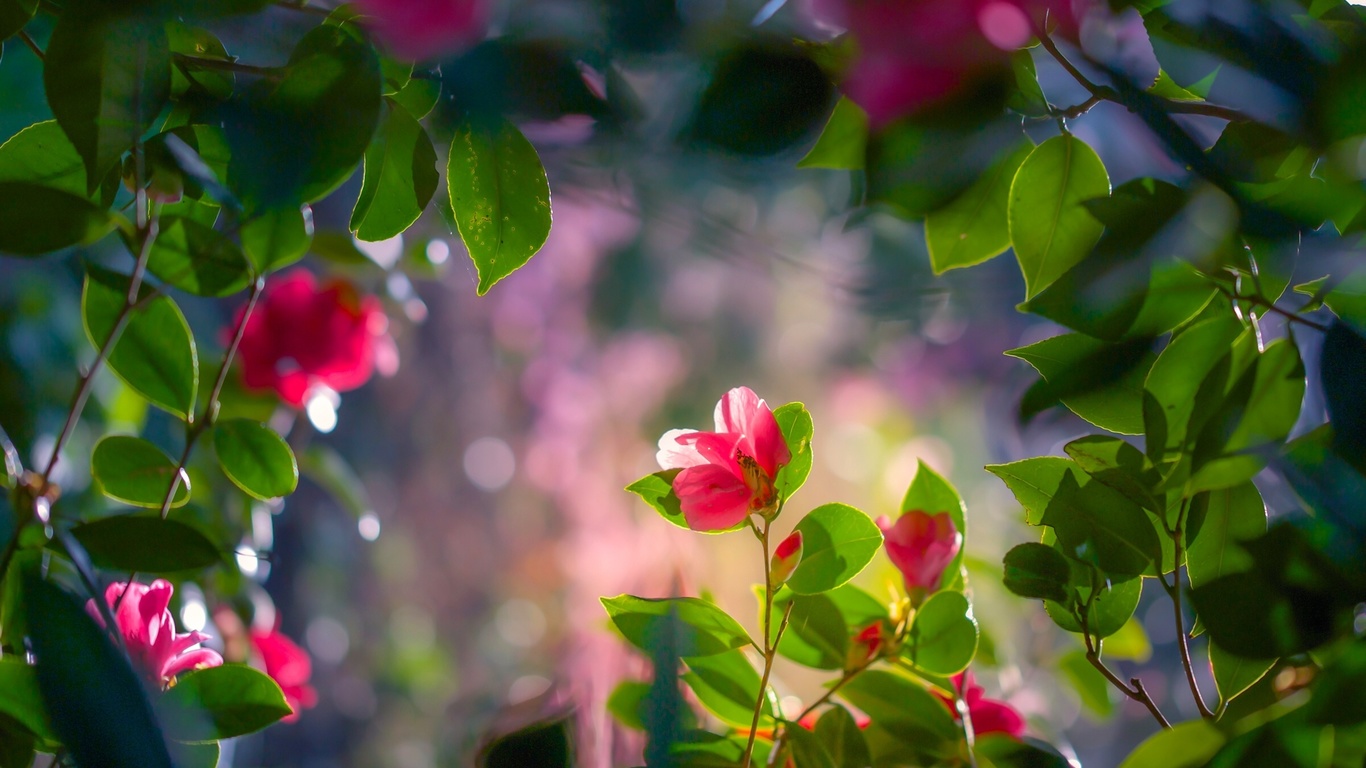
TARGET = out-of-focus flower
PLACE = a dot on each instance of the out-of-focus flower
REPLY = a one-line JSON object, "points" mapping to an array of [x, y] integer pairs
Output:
{"points": [[729, 473], [786, 558], [921, 546], [866, 645], [304, 335], [144, 619], [414, 30], [916, 53], [988, 715], [289, 665]]}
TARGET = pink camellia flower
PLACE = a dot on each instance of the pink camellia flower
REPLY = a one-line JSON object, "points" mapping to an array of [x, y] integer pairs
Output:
{"points": [[727, 474], [921, 546], [988, 715], [148, 630], [289, 665], [414, 30], [786, 558], [303, 335]]}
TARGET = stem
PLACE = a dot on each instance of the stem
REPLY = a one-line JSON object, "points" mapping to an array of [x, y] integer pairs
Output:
{"points": [[768, 646], [225, 65], [1270, 306], [1174, 592], [965, 716], [32, 45], [825, 697], [1137, 692]]}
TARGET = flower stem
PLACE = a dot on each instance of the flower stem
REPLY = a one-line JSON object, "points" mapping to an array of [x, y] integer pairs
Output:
{"points": [[770, 644], [1174, 592]]}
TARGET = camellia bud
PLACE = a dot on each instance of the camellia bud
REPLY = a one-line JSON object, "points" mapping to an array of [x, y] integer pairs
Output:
{"points": [[865, 646], [921, 546], [785, 558]]}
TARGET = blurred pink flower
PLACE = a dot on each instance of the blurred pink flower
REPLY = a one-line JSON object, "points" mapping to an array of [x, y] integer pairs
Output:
{"points": [[148, 630], [988, 715], [289, 665], [786, 557], [729, 473], [304, 335], [414, 30], [921, 546]]}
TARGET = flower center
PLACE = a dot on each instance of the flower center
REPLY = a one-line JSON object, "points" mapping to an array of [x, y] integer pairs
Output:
{"points": [[757, 480]]}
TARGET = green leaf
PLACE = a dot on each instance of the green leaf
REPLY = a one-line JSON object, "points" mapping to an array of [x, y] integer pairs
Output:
{"points": [[657, 490], [974, 228], [627, 703], [1219, 521], [418, 96], [107, 75], [1005, 751], [1027, 98], [1130, 643], [1050, 227], [1111, 609], [1091, 686], [929, 492], [35, 219], [843, 142], [807, 749], [155, 355], [188, 78], [499, 196], [21, 699], [708, 629], [83, 679], [255, 458], [17, 744], [278, 237], [817, 635], [1035, 480], [1165, 87], [1186, 745], [902, 706], [1340, 364], [133, 471], [42, 154], [797, 428], [727, 685], [309, 127], [14, 14], [1175, 377], [197, 258], [843, 739], [1037, 571], [1097, 525], [1102, 383], [943, 637], [145, 544], [838, 541], [195, 755], [222, 702], [1235, 674], [1121, 466], [400, 179]]}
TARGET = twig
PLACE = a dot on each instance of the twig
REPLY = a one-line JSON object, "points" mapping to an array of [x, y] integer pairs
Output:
{"points": [[1137, 692], [1174, 592], [32, 45], [1270, 306], [225, 65], [769, 645]]}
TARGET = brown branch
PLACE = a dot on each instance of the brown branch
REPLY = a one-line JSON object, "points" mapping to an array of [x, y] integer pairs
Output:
{"points": [[1134, 690], [32, 45], [1174, 592]]}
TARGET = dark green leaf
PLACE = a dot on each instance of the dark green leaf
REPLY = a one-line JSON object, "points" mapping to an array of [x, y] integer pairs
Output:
{"points": [[1341, 365], [838, 541], [1111, 608], [133, 471], [255, 458], [1175, 377], [901, 705], [1050, 227], [278, 237], [21, 699], [1187, 745], [763, 97], [541, 745], [106, 75], [195, 755], [808, 749], [657, 490], [222, 702], [17, 744], [943, 637], [35, 219], [1027, 98], [198, 259], [797, 428], [84, 679], [1340, 691], [155, 355], [418, 96], [974, 228], [843, 142], [1121, 466], [400, 179], [843, 739], [186, 77], [817, 635], [14, 14], [1102, 383], [1219, 522], [1035, 480], [727, 685], [707, 630], [1037, 571], [1097, 525], [500, 198], [1005, 751], [1234, 674], [42, 154], [145, 544]]}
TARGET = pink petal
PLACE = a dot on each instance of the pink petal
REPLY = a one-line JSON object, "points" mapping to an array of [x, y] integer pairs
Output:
{"points": [[676, 455], [193, 660], [714, 447], [742, 411], [991, 716], [735, 409], [712, 497]]}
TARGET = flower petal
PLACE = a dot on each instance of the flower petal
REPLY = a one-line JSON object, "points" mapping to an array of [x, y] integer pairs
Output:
{"points": [[186, 662], [674, 454], [712, 497]]}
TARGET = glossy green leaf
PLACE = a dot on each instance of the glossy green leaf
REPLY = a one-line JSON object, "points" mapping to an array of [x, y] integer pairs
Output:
{"points": [[418, 96], [900, 704], [1037, 571], [197, 258], [1035, 480], [657, 490], [727, 685], [1027, 98], [1218, 522], [1102, 383], [843, 739], [255, 458], [708, 630], [843, 142], [1235, 674], [1175, 377], [400, 179], [145, 544], [1121, 466], [222, 702], [1092, 688], [929, 492], [797, 428], [1097, 525], [816, 635], [278, 237], [83, 678], [133, 471], [107, 76], [35, 219], [42, 154], [499, 196], [1165, 87], [14, 14], [974, 227], [156, 354], [838, 541], [1185, 745], [1050, 227], [1114, 603], [21, 699], [943, 637]]}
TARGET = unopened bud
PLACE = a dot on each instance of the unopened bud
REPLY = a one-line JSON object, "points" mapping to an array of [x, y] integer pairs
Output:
{"points": [[865, 646], [786, 558]]}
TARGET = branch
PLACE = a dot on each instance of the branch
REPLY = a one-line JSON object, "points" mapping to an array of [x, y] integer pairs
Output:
{"points": [[769, 645], [32, 45], [1270, 306], [1174, 592], [224, 65], [1137, 692]]}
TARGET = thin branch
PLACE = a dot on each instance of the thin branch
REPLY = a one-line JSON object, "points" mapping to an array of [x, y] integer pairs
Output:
{"points": [[832, 690], [32, 45], [768, 645], [224, 65], [1134, 690], [1174, 592], [1270, 306]]}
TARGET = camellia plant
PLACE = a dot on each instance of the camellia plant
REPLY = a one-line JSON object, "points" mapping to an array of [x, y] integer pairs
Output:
{"points": [[1206, 298]]}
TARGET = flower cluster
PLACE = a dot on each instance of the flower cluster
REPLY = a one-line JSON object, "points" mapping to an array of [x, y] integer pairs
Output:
{"points": [[144, 620]]}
